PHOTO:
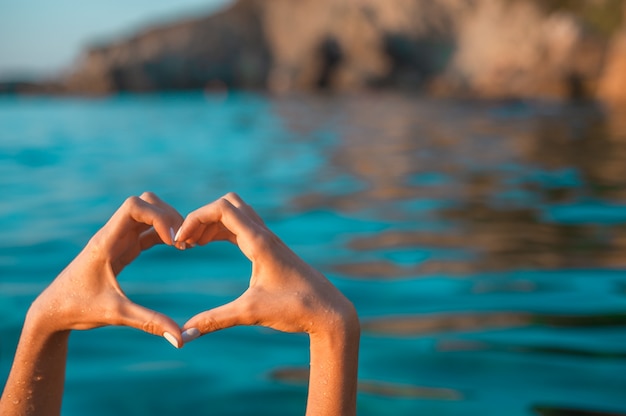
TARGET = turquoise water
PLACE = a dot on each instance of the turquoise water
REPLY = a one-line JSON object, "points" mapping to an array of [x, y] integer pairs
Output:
{"points": [[483, 244]]}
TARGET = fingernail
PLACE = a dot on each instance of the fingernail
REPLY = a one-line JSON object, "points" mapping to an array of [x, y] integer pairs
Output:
{"points": [[182, 246], [177, 234], [171, 339], [190, 334], [172, 235]]}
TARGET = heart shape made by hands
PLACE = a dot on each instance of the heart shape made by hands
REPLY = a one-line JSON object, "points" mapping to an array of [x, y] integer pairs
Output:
{"points": [[284, 292]]}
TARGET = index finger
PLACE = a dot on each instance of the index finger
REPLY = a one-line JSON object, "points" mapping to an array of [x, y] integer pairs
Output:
{"points": [[245, 230], [135, 216]]}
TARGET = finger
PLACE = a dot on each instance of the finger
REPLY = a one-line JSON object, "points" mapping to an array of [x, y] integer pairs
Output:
{"points": [[215, 232], [194, 236], [153, 199], [238, 202], [149, 321], [137, 215], [167, 210], [222, 211], [222, 317], [149, 239]]}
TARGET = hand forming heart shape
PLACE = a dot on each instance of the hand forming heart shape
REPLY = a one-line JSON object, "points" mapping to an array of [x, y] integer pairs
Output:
{"points": [[284, 293], [87, 294]]}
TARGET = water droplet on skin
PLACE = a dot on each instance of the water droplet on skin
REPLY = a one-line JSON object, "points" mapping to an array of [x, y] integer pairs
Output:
{"points": [[16, 401]]}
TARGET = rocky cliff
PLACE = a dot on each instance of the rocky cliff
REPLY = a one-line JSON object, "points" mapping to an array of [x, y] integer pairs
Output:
{"points": [[485, 48], [227, 49]]}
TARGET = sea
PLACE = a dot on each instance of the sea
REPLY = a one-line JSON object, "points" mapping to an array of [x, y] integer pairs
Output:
{"points": [[483, 244]]}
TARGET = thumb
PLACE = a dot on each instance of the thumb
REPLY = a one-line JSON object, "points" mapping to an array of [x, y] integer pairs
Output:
{"points": [[221, 317], [152, 322]]}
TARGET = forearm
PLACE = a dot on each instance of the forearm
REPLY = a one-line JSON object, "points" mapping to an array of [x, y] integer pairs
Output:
{"points": [[35, 383], [334, 367]]}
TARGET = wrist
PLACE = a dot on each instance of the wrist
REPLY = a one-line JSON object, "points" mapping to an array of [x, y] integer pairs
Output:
{"points": [[334, 365], [340, 323], [42, 321]]}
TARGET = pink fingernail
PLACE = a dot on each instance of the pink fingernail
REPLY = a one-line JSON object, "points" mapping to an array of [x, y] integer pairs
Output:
{"points": [[171, 339], [172, 235], [191, 334]]}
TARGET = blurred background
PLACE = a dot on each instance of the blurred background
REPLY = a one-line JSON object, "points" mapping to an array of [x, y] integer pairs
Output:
{"points": [[457, 168]]}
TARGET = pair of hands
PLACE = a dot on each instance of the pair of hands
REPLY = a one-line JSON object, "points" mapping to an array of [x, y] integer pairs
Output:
{"points": [[284, 292]]}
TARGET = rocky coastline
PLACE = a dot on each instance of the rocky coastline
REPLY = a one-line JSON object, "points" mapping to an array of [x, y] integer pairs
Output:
{"points": [[481, 48]]}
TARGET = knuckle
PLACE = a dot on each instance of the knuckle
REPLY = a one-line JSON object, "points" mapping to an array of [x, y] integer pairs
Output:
{"points": [[232, 196], [131, 203], [260, 242], [209, 324], [148, 196], [224, 203], [225, 207], [97, 245], [192, 217], [149, 327]]}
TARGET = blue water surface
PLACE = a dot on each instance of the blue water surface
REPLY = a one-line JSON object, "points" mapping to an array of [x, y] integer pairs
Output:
{"points": [[485, 254]]}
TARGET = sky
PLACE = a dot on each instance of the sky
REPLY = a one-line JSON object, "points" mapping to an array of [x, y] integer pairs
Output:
{"points": [[45, 37]]}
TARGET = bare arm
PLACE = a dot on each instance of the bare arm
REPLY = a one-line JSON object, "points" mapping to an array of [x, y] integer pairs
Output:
{"points": [[35, 384], [286, 294], [87, 295]]}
